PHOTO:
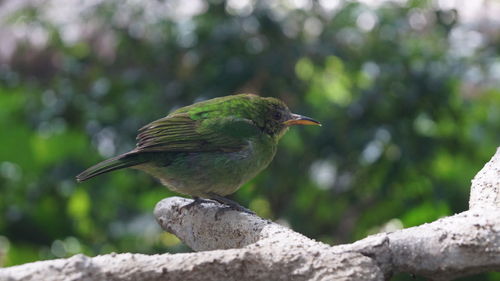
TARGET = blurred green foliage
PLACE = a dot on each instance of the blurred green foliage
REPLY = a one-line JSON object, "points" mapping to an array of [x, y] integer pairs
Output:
{"points": [[409, 108]]}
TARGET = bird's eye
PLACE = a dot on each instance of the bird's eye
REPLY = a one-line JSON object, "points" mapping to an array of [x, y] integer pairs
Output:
{"points": [[277, 115]]}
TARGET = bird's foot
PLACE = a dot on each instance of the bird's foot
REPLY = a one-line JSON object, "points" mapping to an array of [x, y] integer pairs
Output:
{"points": [[196, 201], [230, 205]]}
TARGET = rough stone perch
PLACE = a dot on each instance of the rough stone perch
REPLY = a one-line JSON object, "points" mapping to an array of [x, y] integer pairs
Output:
{"points": [[239, 246]]}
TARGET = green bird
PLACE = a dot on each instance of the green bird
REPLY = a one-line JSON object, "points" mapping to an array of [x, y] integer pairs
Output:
{"points": [[208, 149]]}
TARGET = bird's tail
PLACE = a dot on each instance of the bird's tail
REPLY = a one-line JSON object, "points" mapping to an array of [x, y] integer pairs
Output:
{"points": [[115, 163]]}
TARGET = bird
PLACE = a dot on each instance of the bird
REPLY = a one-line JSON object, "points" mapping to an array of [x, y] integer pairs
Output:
{"points": [[209, 149]]}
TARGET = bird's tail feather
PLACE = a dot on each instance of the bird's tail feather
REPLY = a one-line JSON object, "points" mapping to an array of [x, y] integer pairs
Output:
{"points": [[115, 163]]}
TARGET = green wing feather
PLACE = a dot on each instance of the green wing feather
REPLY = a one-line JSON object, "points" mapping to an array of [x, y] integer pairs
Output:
{"points": [[193, 133]]}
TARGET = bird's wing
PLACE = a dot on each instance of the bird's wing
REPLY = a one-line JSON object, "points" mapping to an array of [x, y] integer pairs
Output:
{"points": [[180, 132]]}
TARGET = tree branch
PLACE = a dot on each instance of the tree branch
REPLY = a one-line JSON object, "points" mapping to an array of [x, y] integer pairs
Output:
{"points": [[255, 248], [485, 189]]}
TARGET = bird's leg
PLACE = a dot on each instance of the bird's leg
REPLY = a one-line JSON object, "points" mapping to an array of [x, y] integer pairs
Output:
{"points": [[230, 203], [196, 201]]}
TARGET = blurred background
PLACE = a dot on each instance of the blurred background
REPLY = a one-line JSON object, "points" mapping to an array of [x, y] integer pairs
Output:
{"points": [[408, 93]]}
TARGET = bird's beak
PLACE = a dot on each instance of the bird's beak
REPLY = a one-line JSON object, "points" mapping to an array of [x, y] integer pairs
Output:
{"points": [[300, 120]]}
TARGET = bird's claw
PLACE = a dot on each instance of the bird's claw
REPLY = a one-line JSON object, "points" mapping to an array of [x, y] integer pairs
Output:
{"points": [[196, 201], [227, 204]]}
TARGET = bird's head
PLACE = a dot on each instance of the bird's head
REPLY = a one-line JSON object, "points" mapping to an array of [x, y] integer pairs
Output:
{"points": [[277, 117], [271, 115]]}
